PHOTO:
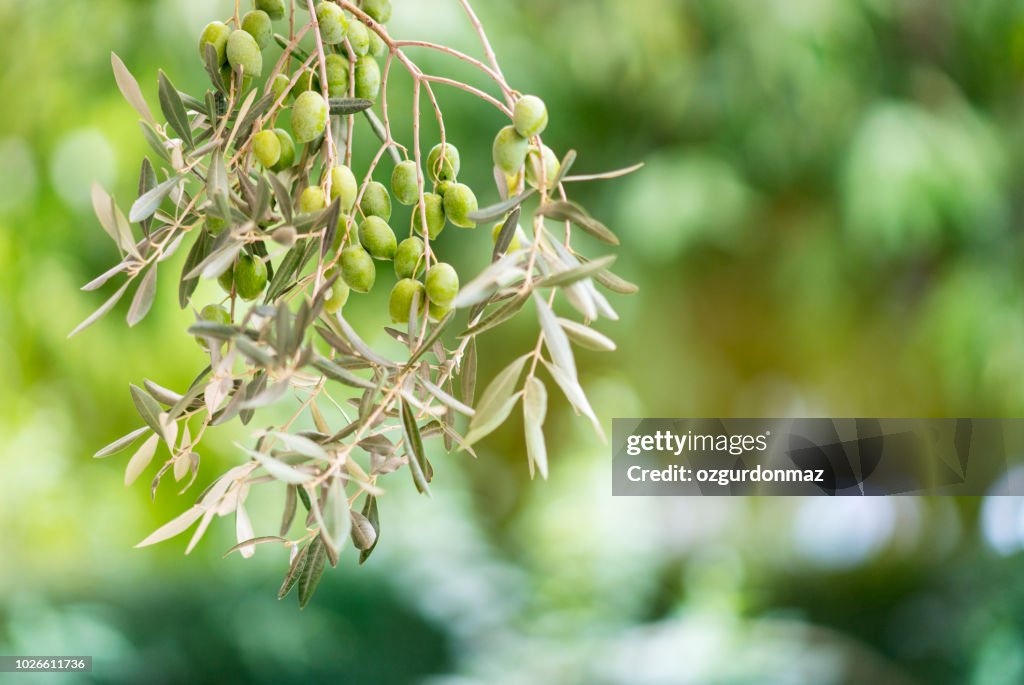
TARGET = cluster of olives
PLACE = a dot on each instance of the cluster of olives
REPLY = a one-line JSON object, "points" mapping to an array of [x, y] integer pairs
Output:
{"points": [[517, 155], [240, 50], [376, 240]]}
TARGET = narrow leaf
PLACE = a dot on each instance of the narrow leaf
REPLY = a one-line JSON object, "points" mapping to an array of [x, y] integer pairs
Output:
{"points": [[535, 407], [174, 109], [121, 443], [143, 300], [576, 273], [104, 308], [174, 527], [555, 338], [276, 468], [497, 401], [141, 459], [129, 88], [587, 337], [418, 464], [149, 202], [563, 210]]}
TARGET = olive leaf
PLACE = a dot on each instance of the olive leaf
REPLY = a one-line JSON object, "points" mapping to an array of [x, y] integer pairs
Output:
{"points": [[555, 338], [418, 464], [130, 88], [535, 407], [276, 468], [564, 210], [141, 459], [574, 393], [337, 518], [342, 106], [174, 109], [577, 273], [174, 527], [587, 337], [496, 211], [312, 571], [121, 443], [497, 402], [143, 299], [103, 309]]}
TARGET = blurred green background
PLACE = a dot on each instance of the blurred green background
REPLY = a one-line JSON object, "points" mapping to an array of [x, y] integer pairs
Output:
{"points": [[828, 224]]}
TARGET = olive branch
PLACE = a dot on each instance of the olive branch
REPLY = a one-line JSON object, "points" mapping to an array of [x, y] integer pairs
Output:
{"points": [[228, 176]]}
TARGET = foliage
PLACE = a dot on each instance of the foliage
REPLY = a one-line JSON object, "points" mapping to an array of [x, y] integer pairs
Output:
{"points": [[274, 217]]}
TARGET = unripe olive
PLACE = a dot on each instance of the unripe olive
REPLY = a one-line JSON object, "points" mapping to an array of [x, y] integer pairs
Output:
{"points": [[287, 157], [359, 37], [379, 10], [257, 24], [307, 81], [400, 300], [510, 150], [344, 185], [242, 51], [512, 246], [337, 75], [216, 34], [447, 170], [333, 23], [309, 116], [337, 297], [267, 148], [533, 167], [312, 200], [367, 78], [404, 183], [376, 201], [409, 257], [459, 203], [377, 45], [214, 224], [434, 206], [216, 314], [274, 8], [437, 311], [442, 187], [279, 86], [442, 284], [357, 268], [530, 116], [378, 238], [249, 277]]}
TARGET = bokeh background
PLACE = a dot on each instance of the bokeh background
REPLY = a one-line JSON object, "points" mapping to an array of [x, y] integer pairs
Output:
{"points": [[828, 224]]}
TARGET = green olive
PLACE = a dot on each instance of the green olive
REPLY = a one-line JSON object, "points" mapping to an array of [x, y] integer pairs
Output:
{"points": [[287, 157], [279, 86], [510, 150], [213, 313], [400, 301], [273, 8], [447, 170], [377, 45], [248, 277], [257, 24], [214, 224], [459, 203], [312, 200], [437, 311], [367, 78], [379, 10], [530, 116], [337, 297], [512, 246], [357, 268], [442, 187], [307, 80], [377, 237], [309, 116], [442, 284], [216, 34], [337, 75], [242, 51], [409, 257], [376, 201], [344, 185], [404, 182], [533, 167], [267, 148], [332, 21], [434, 207], [359, 37]]}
